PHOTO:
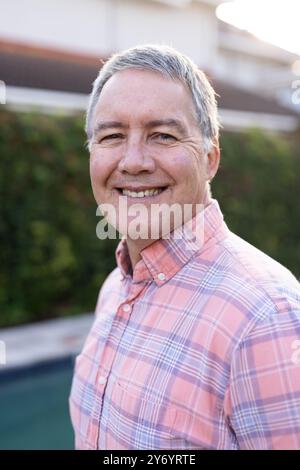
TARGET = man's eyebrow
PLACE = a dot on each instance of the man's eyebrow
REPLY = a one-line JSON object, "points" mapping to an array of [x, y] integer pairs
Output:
{"points": [[168, 123], [102, 126]]}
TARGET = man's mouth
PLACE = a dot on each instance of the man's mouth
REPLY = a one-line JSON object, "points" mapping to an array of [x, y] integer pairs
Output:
{"points": [[151, 192]]}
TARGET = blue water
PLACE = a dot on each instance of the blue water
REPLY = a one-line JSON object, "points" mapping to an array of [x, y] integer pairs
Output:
{"points": [[34, 407]]}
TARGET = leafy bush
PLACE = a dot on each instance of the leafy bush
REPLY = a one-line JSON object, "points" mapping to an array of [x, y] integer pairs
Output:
{"points": [[257, 187], [51, 261]]}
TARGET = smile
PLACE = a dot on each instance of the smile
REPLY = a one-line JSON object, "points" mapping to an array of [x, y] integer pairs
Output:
{"points": [[140, 194]]}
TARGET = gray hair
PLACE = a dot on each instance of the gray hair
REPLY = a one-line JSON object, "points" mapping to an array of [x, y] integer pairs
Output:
{"points": [[170, 63]]}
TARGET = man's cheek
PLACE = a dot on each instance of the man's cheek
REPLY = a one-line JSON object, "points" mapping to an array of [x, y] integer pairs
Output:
{"points": [[92, 168], [95, 189], [96, 176], [97, 171]]}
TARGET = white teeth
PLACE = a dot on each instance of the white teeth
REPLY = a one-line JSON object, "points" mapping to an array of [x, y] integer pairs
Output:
{"points": [[147, 192]]}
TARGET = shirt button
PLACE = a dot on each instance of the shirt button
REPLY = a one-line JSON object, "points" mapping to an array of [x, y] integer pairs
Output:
{"points": [[126, 308], [101, 380], [161, 276]]}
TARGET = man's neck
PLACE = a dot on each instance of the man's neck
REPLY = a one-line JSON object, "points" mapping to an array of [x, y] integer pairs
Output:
{"points": [[136, 246]]}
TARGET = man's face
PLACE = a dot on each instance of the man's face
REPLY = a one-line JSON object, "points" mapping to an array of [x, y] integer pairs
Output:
{"points": [[146, 138]]}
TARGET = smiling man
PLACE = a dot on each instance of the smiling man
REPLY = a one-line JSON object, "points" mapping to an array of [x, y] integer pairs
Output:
{"points": [[193, 343], [149, 121]]}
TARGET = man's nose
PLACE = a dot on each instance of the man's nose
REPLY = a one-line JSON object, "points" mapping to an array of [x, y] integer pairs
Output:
{"points": [[136, 158]]}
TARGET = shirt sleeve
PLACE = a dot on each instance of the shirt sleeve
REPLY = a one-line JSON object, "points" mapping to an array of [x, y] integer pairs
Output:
{"points": [[262, 400]]}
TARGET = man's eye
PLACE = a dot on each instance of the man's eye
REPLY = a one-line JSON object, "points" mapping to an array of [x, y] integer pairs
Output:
{"points": [[110, 137], [164, 137]]}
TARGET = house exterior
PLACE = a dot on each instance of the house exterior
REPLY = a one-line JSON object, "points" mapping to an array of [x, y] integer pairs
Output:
{"points": [[50, 53]]}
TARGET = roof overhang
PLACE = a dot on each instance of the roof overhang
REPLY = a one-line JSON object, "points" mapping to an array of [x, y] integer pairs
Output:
{"points": [[242, 120]]}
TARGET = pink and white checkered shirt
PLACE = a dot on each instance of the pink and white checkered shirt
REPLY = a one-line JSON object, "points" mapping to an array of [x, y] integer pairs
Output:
{"points": [[199, 349]]}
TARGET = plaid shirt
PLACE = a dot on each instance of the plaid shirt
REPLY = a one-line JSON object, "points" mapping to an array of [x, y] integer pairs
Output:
{"points": [[199, 349]]}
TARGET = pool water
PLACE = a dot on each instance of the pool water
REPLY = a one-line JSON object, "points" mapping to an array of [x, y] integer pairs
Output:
{"points": [[34, 407]]}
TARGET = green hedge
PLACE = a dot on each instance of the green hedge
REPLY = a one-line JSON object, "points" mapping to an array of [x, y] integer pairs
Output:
{"points": [[51, 262], [258, 189]]}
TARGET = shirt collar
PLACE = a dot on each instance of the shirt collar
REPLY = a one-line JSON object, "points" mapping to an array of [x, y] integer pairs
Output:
{"points": [[165, 257]]}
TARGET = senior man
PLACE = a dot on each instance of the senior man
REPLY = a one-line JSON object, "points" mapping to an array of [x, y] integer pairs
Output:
{"points": [[195, 343]]}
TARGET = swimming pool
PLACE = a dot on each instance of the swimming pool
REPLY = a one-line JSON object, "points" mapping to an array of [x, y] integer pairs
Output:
{"points": [[34, 406]]}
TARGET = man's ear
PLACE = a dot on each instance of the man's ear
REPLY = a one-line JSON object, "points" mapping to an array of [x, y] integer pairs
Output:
{"points": [[213, 160]]}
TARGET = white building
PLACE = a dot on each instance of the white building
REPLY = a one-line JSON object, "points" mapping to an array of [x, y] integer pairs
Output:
{"points": [[50, 51], [254, 64], [100, 27]]}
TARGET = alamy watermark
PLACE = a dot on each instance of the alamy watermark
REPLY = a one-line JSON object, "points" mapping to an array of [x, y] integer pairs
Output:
{"points": [[2, 92], [296, 93], [139, 221], [2, 352], [296, 83], [296, 354]]}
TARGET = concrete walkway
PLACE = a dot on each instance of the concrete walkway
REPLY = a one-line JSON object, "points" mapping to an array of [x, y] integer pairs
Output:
{"points": [[30, 344]]}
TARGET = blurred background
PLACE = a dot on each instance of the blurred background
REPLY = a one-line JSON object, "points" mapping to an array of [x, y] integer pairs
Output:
{"points": [[51, 263]]}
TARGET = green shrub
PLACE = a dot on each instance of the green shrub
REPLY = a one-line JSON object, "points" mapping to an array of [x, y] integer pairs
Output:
{"points": [[258, 188], [51, 261]]}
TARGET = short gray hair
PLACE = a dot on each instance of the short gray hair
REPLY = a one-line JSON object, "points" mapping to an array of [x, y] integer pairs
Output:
{"points": [[170, 63]]}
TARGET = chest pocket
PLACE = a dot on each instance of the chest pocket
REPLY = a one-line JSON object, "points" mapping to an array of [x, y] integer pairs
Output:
{"points": [[141, 423], [138, 423]]}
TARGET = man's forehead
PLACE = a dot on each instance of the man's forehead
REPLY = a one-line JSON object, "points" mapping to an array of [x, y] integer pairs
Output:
{"points": [[143, 86], [139, 98], [129, 75]]}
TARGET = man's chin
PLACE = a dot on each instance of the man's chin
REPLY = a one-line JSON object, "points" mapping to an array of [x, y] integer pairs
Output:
{"points": [[147, 233]]}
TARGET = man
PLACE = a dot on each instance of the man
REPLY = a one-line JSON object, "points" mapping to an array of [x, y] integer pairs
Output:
{"points": [[195, 342]]}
